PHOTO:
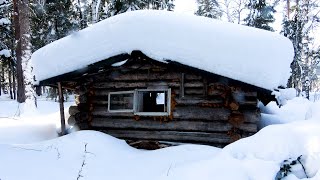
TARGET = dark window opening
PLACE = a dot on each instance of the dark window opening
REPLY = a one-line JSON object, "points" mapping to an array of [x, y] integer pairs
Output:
{"points": [[152, 101]]}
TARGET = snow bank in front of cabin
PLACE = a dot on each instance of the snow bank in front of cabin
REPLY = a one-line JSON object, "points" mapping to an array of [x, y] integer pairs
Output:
{"points": [[250, 55], [22, 123], [104, 157], [93, 155], [258, 157]]}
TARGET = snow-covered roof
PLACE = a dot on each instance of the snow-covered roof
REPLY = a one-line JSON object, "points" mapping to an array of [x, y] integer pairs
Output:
{"points": [[250, 55]]}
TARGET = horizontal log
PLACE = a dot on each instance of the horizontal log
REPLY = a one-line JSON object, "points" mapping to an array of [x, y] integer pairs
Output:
{"points": [[188, 77], [197, 102], [102, 93], [175, 125], [199, 137], [188, 101], [245, 116], [187, 112], [249, 103], [214, 92], [71, 120], [201, 113], [251, 116], [245, 93], [142, 66], [189, 91], [110, 85], [101, 111], [100, 102], [117, 76], [73, 110]]}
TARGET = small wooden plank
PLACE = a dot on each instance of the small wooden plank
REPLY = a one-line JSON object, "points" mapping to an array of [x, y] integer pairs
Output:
{"points": [[205, 87], [182, 85]]}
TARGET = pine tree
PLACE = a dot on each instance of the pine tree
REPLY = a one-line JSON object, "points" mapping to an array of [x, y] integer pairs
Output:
{"points": [[5, 28], [52, 20], [120, 6], [306, 57], [7, 63], [292, 29], [209, 8], [260, 15]]}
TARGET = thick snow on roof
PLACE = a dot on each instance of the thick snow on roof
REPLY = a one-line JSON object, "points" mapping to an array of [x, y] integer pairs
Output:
{"points": [[250, 55]]}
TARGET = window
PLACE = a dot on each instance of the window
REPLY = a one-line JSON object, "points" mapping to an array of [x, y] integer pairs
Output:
{"points": [[152, 102], [142, 102], [121, 101]]}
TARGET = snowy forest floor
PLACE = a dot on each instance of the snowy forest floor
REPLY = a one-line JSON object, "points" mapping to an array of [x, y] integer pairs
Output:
{"points": [[30, 149]]}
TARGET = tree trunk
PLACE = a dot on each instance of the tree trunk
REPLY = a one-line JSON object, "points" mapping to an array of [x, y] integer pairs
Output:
{"points": [[2, 78], [22, 35], [13, 81], [12, 63], [9, 76], [288, 9]]}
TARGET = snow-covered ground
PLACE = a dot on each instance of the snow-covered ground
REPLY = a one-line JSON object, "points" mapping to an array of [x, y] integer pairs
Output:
{"points": [[31, 150]]}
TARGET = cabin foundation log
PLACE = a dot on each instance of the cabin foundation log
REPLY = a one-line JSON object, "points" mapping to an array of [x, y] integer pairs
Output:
{"points": [[176, 136]]}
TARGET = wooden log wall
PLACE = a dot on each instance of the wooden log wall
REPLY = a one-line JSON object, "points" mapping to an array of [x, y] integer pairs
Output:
{"points": [[204, 109]]}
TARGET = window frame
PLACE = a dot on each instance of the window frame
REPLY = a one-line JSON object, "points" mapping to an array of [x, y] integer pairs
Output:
{"points": [[121, 110], [136, 103], [168, 104]]}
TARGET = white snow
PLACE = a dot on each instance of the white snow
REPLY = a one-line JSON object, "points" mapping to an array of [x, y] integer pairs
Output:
{"points": [[93, 156], [4, 21], [254, 56], [5, 52], [283, 95]]}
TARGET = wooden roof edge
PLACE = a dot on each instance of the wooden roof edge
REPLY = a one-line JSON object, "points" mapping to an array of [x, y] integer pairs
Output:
{"points": [[95, 67]]}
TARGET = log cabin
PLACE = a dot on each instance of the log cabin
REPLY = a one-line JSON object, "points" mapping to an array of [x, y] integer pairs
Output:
{"points": [[135, 86]]}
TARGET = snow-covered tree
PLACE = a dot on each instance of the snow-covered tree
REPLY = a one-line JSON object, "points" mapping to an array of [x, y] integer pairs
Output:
{"points": [[52, 20], [7, 62], [233, 10], [5, 28], [260, 15], [120, 6], [209, 8], [298, 29]]}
